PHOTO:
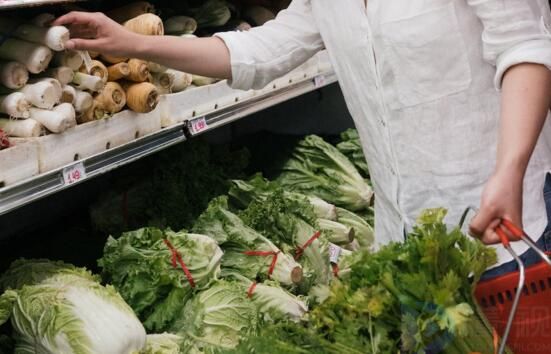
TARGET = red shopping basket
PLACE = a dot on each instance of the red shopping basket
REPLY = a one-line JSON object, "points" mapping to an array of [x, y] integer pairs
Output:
{"points": [[518, 305], [531, 328]]}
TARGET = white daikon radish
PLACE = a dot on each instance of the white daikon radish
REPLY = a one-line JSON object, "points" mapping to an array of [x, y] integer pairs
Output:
{"points": [[69, 94], [56, 122], [43, 20], [15, 105], [181, 80], [83, 101], [68, 112], [13, 75], [63, 74], [41, 94], [21, 128], [35, 57], [68, 58], [88, 82]]}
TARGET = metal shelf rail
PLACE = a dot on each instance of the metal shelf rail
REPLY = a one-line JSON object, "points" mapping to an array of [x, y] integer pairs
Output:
{"points": [[18, 195]]}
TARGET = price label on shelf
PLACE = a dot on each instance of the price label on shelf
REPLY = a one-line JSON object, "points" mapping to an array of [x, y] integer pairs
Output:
{"points": [[334, 253], [319, 81], [74, 173], [198, 125]]}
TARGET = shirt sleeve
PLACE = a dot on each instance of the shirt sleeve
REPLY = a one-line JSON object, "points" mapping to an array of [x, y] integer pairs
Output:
{"points": [[265, 53], [515, 31]]}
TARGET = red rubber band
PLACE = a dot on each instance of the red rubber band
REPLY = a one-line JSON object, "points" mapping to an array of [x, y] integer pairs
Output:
{"points": [[335, 269], [4, 141], [301, 249], [177, 260], [251, 290], [265, 254]]}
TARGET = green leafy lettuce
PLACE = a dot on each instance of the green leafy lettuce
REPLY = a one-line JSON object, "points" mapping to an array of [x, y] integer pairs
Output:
{"points": [[143, 269], [236, 239], [351, 147], [318, 168]]}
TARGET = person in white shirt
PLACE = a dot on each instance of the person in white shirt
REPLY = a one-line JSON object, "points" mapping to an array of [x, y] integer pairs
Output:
{"points": [[450, 97]]}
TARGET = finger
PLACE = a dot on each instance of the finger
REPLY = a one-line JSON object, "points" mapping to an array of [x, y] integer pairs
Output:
{"points": [[480, 223], [83, 44], [490, 237], [74, 17]]}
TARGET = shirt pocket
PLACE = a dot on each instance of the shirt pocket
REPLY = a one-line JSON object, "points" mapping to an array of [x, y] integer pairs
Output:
{"points": [[426, 56]]}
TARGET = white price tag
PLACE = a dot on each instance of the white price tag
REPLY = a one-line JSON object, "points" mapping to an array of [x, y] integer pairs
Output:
{"points": [[334, 253], [198, 125], [74, 173], [319, 81]]}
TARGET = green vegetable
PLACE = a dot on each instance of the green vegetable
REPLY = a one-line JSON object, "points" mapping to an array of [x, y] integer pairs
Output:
{"points": [[291, 225], [213, 13], [217, 318], [237, 239], [318, 168], [414, 296], [363, 231], [67, 312], [165, 343], [337, 233], [143, 269], [351, 147], [274, 303], [258, 188]]}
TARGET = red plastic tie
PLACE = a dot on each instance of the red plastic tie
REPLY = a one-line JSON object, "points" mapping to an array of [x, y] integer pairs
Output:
{"points": [[301, 249], [265, 254], [251, 290], [336, 269], [177, 260], [4, 141]]}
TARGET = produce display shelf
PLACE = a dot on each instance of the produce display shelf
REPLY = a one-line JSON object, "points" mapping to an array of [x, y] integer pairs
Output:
{"points": [[13, 4], [25, 192]]}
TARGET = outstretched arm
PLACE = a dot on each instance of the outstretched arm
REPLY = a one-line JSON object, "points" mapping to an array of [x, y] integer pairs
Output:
{"points": [[97, 32], [251, 59]]}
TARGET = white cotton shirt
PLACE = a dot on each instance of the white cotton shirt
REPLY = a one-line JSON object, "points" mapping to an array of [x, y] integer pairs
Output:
{"points": [[421, 80]]}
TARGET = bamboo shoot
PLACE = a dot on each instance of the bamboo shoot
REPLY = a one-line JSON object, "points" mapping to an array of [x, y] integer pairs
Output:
{"points": [[112, 60], [95, 112], [97, 69]]}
